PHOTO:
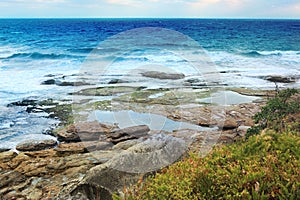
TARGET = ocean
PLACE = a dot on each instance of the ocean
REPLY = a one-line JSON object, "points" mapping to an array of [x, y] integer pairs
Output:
{"points": [[32, 50]]}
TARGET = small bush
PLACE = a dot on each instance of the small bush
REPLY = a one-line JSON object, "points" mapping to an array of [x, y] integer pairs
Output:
{"points": [[276, 113]]}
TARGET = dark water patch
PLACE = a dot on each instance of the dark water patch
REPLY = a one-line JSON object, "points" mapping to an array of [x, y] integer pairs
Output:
{"points": [[81, 50], [120, 59], [39, 56]]}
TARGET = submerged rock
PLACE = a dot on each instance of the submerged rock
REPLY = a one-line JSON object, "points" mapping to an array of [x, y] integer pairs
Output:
{"points": [[68, 83], [280, 79], [61, 110], [49, 82], [163, 75], [106, 91], [25, 102], [115, 81], [59, 81], [35, 145]]}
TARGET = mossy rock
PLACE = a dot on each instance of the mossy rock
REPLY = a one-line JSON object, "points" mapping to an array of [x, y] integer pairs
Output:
{"points": [[165, 96], [142, 96], [106, 91], [63, 112]]}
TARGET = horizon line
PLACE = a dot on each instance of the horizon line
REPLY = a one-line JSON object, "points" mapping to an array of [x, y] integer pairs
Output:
{"points": [[254, 18]]}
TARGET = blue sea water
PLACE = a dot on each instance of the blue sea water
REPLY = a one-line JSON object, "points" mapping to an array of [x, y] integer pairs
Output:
{"points": [[31, 50]]}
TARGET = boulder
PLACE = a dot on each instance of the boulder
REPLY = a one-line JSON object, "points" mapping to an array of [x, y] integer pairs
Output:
{"points": [[127, 168], [129, 133], [163, 75], [35, 145], [102, 181], [67, 136], [229, 123], [84, 131]]}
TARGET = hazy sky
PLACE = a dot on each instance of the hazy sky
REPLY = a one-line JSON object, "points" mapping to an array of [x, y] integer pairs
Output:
{"points": [[151, 8]]}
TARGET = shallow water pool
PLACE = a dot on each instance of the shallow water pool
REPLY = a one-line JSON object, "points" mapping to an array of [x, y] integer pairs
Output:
{"points": [[127, 118]]}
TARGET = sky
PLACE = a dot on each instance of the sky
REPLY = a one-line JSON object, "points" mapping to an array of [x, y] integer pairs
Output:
{"points": [[150, 8]]}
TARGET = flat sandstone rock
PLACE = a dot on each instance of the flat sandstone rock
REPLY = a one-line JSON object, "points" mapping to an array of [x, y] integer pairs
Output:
{"points": [[163, 75], [35, 145]]}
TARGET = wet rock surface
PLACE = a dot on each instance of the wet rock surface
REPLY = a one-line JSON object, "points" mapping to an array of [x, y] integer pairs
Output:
{"points": [[163, 75], [69, 83], [35, 145], [88, 131], [61, 110], [116, 81], [105, 91], [280, 79]]}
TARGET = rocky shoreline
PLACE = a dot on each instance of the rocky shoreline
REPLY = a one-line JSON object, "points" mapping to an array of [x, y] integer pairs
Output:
{"points": [[92, 159]]}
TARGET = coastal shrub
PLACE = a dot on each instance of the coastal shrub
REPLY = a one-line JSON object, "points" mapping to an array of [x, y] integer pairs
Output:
{"points": [[266, 166], [278, 114]]}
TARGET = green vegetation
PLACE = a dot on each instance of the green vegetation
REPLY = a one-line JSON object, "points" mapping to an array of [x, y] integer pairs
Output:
{"points": [[63, 112], [107, 91], [280, 114], [264, 166]]}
